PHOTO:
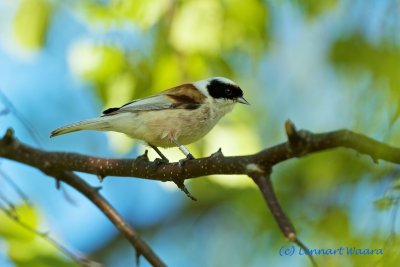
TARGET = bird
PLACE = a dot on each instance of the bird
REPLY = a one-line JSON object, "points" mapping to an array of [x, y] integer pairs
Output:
{"points": [[175, 117]]}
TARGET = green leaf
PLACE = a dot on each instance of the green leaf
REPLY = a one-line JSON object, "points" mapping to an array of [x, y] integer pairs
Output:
{"points": [[313, 8], [26, 248], [144, 13], [96, 63], [31, 23]]}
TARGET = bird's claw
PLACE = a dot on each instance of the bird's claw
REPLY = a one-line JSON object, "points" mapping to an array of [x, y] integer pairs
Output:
{"points": [[182, 162], [159, 161]]}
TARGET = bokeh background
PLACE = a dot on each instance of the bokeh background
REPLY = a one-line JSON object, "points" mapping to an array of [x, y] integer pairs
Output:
{"points": [[324, 64]]}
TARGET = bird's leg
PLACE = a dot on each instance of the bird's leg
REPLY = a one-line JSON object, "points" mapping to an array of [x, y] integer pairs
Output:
{"points": [[178, 182], [186, 152], [163, 159]]}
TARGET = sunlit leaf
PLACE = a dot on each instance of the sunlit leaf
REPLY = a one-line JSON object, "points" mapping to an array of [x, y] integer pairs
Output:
{"points": [[24, 247], [144, 13], [12, 230], [120, 89], [245, 25], [229, 24], [193, 31], [167, 71], [31, 23], [96, 63]]}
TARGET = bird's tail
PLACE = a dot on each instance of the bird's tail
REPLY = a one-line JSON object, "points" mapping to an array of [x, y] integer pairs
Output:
{"points": [[99, 124]]}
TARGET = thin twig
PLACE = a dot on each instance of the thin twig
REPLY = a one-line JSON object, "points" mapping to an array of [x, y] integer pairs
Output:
{"points": [[12, 214], [263, 181], [8, 203], [93, 195], [11, 108], [264, 184], [4, 111], [305, 248], [16, 188]]}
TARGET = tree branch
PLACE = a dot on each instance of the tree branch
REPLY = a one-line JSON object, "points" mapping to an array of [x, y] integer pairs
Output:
{"points": [[11, 213], [93, 195], [309, 143], [263, 181], [258, 166]]}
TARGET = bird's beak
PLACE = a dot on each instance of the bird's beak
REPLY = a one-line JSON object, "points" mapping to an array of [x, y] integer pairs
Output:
{"points": [[243, 101]]}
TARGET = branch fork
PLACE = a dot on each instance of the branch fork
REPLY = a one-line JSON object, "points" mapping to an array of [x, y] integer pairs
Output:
{"points": [[258, 166]]}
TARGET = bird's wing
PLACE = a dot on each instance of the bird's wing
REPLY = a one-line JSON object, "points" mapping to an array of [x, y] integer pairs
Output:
{"points": [[184, 96]]}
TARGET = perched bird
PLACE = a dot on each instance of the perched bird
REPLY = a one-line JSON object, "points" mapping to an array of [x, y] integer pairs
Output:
{"points": [[173, 118]]}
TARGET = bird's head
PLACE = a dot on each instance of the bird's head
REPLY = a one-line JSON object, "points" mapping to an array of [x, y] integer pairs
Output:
{"points": [[222, 90]]}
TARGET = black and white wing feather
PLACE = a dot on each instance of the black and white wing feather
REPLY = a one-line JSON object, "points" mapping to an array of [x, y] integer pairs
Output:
{"points": [[185, 96]]}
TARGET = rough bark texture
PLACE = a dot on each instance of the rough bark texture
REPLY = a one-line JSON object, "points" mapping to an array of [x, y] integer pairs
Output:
{"points": [[61, 166]]}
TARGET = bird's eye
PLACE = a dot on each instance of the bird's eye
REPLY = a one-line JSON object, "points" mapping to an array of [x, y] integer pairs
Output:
{"points": [[228, 91]]}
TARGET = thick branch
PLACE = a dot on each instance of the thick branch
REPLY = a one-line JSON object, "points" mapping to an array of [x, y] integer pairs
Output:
{"points": [[300, 143], [217, 164]]}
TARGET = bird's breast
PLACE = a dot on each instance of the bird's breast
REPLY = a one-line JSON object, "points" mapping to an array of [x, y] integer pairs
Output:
{"points": [[161, 127]]}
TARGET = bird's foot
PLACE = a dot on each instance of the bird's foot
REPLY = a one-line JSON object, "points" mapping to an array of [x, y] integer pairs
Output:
{"points": [[180, 183], [161, 161], [182, 162]]}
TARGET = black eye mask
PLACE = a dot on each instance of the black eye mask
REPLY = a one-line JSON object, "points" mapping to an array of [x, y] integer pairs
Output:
{"points": [[219, 89]]}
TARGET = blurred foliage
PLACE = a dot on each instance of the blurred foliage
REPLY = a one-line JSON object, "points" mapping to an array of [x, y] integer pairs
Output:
{"points": [[182, 41], [391, 198], [385, 203], [31, 23], [354, 55], [188, 40], [26, 248], [191, 40], [106, 67], [313, 8]]}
